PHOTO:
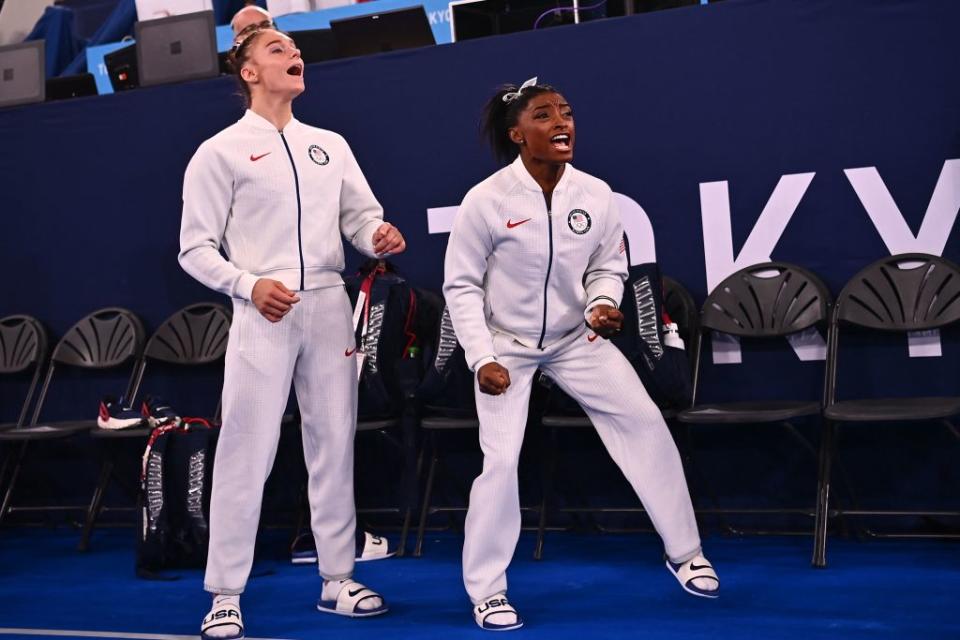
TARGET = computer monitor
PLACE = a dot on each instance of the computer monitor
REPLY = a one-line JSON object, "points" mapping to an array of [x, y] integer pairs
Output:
{"points": [[76, 86], [384, 31], [471, 19], [22, 73], [178, 48], [122, 68]]}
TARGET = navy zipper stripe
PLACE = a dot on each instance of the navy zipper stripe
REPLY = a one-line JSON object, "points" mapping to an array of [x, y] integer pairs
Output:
{"points": [[296, 184], [546, 281]]}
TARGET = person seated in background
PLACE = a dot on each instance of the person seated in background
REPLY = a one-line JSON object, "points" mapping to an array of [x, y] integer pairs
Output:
{"points": [[249, 15]]}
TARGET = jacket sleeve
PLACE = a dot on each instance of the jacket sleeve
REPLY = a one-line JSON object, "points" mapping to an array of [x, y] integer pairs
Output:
{"points": [[607, 269], [465, 269], [360, 213], [207, 199]]}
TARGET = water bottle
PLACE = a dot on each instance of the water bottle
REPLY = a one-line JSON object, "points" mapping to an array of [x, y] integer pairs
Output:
{"points": [[671, 337]]}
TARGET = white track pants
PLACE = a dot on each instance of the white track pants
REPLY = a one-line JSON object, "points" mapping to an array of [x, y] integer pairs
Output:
{"points": [[307, 347], [600, 378]]}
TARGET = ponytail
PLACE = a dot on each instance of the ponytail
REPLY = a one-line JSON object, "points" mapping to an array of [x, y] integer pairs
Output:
{"points": [[500, 115]]}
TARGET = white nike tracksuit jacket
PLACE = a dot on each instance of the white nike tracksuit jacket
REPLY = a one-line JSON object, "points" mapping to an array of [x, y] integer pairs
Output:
{"points": [[519, 280], [273, 200]]}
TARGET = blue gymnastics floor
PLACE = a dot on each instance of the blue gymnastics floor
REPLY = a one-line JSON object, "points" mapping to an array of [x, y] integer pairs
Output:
{"points": [[588, 586]]}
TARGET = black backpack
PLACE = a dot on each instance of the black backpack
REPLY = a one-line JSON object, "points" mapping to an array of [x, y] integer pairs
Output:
{"points": [[387, 333], [174, 500], [663, 369], [447, 385]]}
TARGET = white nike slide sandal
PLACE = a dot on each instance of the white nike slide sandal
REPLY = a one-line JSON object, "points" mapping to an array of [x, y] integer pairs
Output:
{"points": [[687, 572], [348, 601]]}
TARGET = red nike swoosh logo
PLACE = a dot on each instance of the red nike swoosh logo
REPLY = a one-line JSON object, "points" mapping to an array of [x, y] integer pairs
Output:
{"points": [[592, 338], [511, 224], [254, 158], [349, 352]]}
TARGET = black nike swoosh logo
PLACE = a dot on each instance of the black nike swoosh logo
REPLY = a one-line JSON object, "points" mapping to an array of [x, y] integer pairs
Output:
{"points": [[353, 593], [697, 567]]}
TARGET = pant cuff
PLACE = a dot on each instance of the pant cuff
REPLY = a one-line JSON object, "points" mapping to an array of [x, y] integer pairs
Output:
{"points": [[342, 576], [222, 591], [686, 556], [492, 595]]}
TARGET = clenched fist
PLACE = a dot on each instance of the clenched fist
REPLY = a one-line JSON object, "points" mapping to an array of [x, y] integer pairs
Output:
{"points": [[493, 378], [605, 320]]}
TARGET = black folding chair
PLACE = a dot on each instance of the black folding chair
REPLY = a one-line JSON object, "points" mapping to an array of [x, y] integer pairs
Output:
{"points": [[898, 294], [23, 347], [681, 308], [434, 422], [107, 339], [193, 336], [763, 303]]}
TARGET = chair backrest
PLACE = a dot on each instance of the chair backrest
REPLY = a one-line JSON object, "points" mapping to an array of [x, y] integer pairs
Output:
{"points": [[906, 292], [766, 300], [23, 345], [104, 339], [196, 334]]}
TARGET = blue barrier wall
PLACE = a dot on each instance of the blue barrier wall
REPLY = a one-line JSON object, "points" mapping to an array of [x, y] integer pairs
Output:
{"points": [[790, 105]]}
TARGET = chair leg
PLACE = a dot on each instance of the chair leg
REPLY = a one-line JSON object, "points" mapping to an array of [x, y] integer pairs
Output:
{"points": [[823, 496], [951, 428], [8, 454], [425, 507], [8, 494], [408, 512], [303, 510], [549, 473], [93, 511]]}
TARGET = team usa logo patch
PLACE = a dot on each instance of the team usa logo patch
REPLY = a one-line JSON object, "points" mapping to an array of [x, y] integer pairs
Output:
{"points": [[579, 221], [318, 155]]}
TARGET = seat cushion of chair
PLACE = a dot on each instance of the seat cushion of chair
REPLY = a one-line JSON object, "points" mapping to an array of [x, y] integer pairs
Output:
{"points": [[566, 422], [48, 431], [375, 425], [438, 422], [742, 412], [893, 409]]}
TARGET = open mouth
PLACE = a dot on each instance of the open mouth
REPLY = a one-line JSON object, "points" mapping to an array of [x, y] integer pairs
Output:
{"points": [[295, 69], [561, 142]]}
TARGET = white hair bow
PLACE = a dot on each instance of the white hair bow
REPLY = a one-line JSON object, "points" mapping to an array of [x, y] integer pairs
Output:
{"points": [[510, 96]]}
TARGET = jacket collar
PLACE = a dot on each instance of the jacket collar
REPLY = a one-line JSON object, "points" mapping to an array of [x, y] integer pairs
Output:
{"points": [[259, 122], [520, 171]]}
